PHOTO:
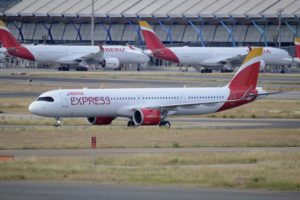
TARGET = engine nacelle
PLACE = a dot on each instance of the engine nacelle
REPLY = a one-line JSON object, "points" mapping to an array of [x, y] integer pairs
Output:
{"points": [[146, 117], [110, 63], [101, 120]]}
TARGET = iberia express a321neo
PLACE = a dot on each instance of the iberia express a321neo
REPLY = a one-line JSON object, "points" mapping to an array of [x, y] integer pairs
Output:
{"points": [[151, 106]]}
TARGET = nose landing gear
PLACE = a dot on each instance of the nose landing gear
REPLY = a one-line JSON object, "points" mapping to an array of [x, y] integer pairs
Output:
{"points": [[58, 122]]}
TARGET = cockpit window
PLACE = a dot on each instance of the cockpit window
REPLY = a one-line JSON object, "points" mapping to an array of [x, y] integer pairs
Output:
{"points": [[48, 99]]}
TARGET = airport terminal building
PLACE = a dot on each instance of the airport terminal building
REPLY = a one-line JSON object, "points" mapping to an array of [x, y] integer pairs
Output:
{"points": [[186, 22], [177, 22]]}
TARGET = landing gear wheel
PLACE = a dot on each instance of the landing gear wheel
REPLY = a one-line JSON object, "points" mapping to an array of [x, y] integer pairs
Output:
{"points": [[58, 122], [165, 124], [131, 124]]}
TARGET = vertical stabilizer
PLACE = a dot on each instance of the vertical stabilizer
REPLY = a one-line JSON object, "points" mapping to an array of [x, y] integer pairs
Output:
{"points": [[6, 38], [152, 41]]}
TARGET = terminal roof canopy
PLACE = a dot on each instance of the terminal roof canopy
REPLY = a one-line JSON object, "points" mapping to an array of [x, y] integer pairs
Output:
{"points": [[156, 8]]}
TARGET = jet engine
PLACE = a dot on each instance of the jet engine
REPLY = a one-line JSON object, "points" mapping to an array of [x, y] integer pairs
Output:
{"points": [[110, 63], [146, 117], [100, 120]]}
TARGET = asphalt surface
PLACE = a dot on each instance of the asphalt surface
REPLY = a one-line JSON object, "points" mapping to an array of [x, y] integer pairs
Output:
{"points": [[70, 191], [87, 153], [181, 122], [152, 83], [131, 83], [91, 191]]}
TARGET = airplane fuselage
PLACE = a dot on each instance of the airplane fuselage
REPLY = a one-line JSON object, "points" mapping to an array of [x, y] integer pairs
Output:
{"points": [[213, 56], [150, 106], [117, 102], [65, 54]]}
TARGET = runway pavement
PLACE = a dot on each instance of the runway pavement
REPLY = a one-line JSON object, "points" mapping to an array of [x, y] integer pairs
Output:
{"points": [[182, 122], [87, 82], [39, 190], [42, 190], [87, 153]]}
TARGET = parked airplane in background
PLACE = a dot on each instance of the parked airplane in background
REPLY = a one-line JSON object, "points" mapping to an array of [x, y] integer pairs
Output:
{"points": [[297, 50], [151, 106], [208, 57], [109, 57]]}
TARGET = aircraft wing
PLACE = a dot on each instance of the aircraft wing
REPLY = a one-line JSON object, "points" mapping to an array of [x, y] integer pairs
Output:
{"points": [[87, 58], [224, 59], [172, 107], [294, 60], [94, 56], [98, 56], [169, 107]]}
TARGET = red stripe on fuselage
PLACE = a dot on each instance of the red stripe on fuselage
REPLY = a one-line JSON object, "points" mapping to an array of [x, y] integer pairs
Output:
{"points": [[166, 54], [234, 95], [21, 52]]}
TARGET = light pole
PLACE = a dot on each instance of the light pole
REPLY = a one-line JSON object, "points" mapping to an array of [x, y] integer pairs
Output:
{"points": [[92, 24], [279, 28]]}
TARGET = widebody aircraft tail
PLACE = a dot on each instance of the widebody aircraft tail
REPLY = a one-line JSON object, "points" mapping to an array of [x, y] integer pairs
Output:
{"points": [[13, 47], [6, 38], [151, 39], [153, 43]]}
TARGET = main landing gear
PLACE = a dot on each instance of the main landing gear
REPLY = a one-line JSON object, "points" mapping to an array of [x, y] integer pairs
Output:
{"points": [[165, 124], [162, 124], [131, 124], [58, 122]]}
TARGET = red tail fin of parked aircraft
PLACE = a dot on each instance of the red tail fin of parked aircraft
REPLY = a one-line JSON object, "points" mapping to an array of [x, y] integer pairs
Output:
{"points": [[12, 45], [159, 50], [152, 41], [6, 38]]}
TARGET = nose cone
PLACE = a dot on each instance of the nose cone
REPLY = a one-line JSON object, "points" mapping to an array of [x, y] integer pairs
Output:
{"points": [[33, 108]]}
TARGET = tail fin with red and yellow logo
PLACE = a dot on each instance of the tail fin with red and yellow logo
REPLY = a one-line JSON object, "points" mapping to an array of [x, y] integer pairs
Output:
{"points": [[151, 39], [297, 47], [6, 37], [14, 48]]}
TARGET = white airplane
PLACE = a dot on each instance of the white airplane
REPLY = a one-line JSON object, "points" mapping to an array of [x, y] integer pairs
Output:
{"points": [[151, 106], [296, 59], [108, 56], [207, 57]]}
